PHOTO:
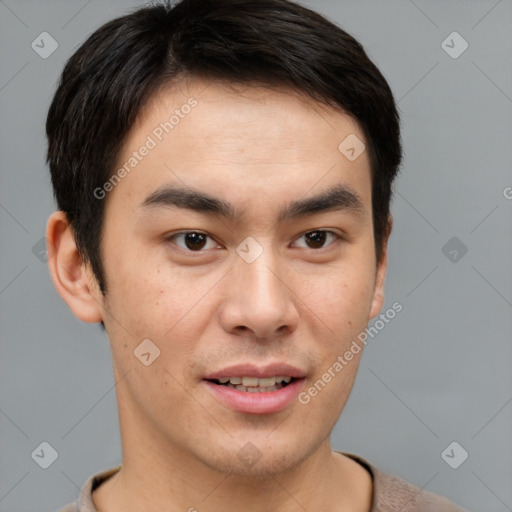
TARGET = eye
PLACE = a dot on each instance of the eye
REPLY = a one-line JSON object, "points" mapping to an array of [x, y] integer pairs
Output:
{"points": [[316, 239], [193, 241]]}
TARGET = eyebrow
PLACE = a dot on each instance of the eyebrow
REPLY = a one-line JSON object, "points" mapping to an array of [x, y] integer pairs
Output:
{"points": [[339, 198]]}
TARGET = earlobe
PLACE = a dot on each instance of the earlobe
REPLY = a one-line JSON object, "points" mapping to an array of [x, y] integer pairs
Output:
{"points": [[380, 279], [73, 279]]}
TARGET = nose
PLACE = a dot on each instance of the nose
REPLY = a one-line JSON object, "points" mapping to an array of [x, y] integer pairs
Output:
{"points": [[259, 299]]}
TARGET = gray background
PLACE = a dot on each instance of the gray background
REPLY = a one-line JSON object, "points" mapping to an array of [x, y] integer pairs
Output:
{"points": [[439, 372]]}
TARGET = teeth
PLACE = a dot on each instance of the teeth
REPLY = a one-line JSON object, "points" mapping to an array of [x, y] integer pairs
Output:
{"points": [[253, 382], [250, 381], [255, 389]]}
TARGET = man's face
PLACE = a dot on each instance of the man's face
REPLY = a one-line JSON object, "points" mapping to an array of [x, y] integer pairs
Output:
{"points": [[262, 287]]}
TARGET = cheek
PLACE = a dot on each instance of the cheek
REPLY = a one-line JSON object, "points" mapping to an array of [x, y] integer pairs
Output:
{"points": [[152, 306], [340, 315], [341, 297], [163, 302]]}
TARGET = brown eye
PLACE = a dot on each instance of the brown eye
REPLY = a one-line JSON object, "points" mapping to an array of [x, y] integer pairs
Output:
{"points": [[195, 241], [317, 239], [192, 240]]}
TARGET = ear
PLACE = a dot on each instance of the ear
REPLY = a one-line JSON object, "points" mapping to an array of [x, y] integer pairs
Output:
{"points": [[380, 278], [73, 279]]}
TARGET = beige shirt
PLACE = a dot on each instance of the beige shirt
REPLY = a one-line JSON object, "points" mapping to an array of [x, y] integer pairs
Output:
{"points": [[390, 493]]}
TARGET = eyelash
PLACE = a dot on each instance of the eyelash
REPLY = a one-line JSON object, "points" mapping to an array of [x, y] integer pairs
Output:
{"points": [[184, 233]]}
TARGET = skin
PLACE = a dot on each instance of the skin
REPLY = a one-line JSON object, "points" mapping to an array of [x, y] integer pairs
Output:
{"points": [[258, 149]]}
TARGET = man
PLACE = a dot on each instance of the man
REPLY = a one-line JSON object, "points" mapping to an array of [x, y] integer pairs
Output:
{"points": [[223, 173]]}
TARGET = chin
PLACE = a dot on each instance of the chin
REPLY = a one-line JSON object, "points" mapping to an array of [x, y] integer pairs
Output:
{"points": [[259, 458]]}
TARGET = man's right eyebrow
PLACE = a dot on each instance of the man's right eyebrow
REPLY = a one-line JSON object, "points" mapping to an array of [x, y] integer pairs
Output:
{"points": [[176, 196]]}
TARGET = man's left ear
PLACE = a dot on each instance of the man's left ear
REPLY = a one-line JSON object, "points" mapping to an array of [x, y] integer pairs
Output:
{"points": [[380, 279]]}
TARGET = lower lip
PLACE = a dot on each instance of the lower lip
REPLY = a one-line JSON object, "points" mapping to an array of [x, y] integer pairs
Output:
{"points": [[260, 402]]}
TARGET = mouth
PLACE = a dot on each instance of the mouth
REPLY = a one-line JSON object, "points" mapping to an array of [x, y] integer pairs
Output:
{"points": [[255, 384], [249, 389]]}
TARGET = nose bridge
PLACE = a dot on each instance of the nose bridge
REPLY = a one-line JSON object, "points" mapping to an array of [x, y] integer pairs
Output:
{"points": [[257, 268], [259, 298]]}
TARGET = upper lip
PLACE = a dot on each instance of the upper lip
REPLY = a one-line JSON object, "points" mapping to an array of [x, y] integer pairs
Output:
{"points": [[251, 370]]}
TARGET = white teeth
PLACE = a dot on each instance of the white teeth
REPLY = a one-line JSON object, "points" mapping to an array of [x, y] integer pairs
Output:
{"points": [[255, 389], [269, 381], [252, 382]]}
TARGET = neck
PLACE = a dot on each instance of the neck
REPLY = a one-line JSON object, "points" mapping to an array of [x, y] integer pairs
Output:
{"points": [[147, 481]]}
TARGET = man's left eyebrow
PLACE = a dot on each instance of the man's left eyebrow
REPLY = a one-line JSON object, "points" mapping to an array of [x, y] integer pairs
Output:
{"points": [[339, 198]]}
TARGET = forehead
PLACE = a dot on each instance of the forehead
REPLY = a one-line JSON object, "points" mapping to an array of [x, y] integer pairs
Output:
{"points": [[249, 143]]}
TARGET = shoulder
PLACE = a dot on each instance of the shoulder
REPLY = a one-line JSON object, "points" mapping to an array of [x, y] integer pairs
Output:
{"points": [[84, 502], [392, 493]]}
